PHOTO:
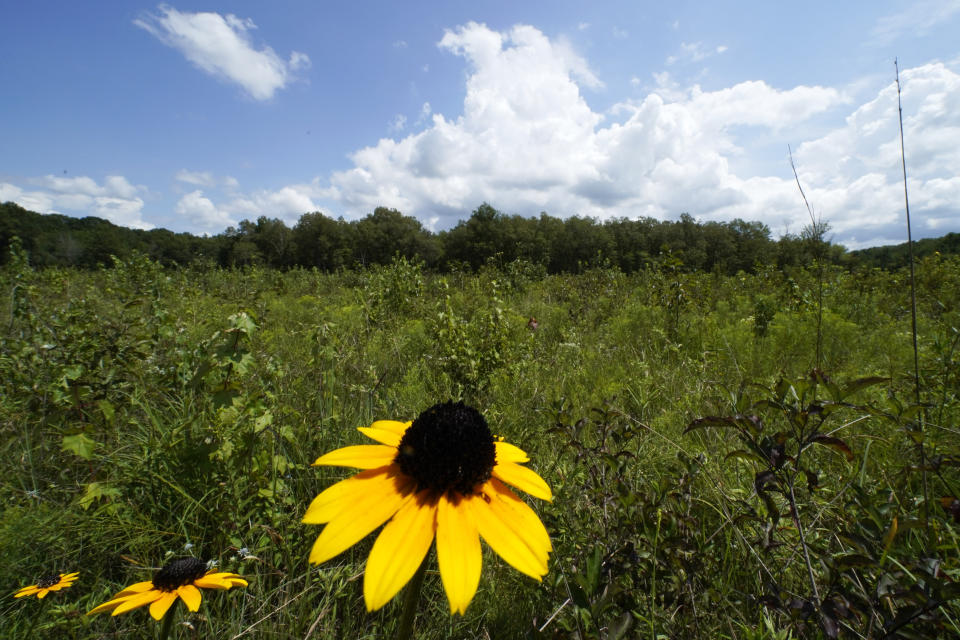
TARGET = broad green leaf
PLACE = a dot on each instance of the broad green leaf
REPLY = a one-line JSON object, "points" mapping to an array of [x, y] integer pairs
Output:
{"points": [[263, 421], [72, 372], [97, 491], [106, 409], [243, 321], [225, 397], [834, 443], [860, 384], [853, 561], [79, 445]]}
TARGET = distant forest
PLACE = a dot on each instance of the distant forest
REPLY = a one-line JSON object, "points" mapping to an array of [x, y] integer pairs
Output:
{"points": [[557, 245]]}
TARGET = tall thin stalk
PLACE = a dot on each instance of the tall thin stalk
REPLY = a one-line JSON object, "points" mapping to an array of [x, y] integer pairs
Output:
{"points": [[913, 312], [167, 625], [817, 230], [410, 601]]}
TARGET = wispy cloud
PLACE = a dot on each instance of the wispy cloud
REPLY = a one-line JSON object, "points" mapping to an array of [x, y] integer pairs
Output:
{"points": [[695, 52], [425, 112], [220, 45], [399, 122], [199, 178], [919, 18]]}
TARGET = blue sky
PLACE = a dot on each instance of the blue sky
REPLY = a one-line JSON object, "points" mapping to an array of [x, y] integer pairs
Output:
{"points": [[193, 117]]}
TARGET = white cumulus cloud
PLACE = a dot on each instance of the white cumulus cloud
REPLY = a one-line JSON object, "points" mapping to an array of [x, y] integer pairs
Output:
{"points": [[116, 200], [220, 45], [200, 212], [210, 214], [523, 120], [527, 141], [287, 203], [856, 173]]}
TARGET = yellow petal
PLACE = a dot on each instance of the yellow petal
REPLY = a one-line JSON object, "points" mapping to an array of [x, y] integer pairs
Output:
{"points": [[354, 521], [505, 529], [507, 452], [160, 606], [219, 575], [26, 591], [458, 553], [343, 495], [42, 593], [69, 576], [132, 602], [223, 580], [361, 456], [511, 507], [137, 587], [523, 478], [110, 605], [399, 550], [190, 596], [213, 581], [388, 432]]}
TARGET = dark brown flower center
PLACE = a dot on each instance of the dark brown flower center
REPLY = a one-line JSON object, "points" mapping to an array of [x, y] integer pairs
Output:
{"points": [[48, 581], [178, 573], [448, 448]]}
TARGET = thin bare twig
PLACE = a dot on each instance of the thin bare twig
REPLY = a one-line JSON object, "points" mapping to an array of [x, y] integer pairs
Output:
{"points": [[913, 319], [813, 218], [817, 231]]}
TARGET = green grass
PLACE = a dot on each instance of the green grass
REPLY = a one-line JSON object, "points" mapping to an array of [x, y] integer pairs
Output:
{"points": [[142, 410]]}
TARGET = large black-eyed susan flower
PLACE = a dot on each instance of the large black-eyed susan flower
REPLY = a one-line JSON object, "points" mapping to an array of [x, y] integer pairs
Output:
{"points": [[47, 584], [181, 578], [441, 476]]}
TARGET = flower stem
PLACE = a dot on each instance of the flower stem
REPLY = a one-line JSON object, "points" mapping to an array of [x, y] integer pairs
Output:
{"points": [[410, 599], [167, 623], [33, 623]]}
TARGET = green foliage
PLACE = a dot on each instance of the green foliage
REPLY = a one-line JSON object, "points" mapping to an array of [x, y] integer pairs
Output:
{"points": [[471, 344], [393, 291], [146, 407]]}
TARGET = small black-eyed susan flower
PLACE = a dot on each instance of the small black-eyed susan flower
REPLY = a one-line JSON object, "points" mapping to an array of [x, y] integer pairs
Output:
{"points": [[441, 476], [180, 578], [47, 584]]}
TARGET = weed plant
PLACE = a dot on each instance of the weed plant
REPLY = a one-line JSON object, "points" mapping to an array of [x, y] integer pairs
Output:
{"points": [[713, 477]]}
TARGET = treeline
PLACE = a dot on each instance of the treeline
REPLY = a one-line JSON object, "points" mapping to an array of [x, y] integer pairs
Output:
{"points": [[557, 245], [896, 256], [62, 241]]}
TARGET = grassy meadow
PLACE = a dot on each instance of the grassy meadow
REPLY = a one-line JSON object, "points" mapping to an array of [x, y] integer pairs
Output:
{"points": [[729, 457]]}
